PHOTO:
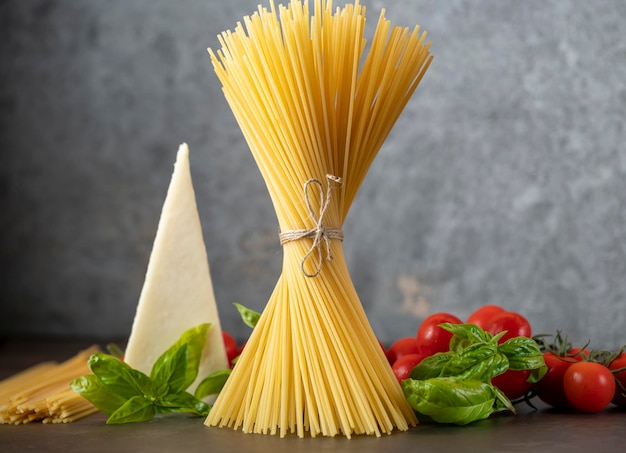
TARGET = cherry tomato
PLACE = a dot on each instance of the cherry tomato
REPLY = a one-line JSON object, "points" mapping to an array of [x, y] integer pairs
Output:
{"points": [[401, 347], [403, 366], [513, 383], [431, 338], [231, 347], [550, 388], [514, 323], [481, 316], [589, 386], [620, 394]]}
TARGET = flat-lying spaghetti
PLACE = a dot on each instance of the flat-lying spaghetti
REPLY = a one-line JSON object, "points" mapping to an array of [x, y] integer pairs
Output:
{"points": [[42, 393], [307, 111]]}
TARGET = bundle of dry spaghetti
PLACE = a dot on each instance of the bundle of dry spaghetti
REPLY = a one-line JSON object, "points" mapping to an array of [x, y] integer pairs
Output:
{"points": [[42, 393], [315, 114]]}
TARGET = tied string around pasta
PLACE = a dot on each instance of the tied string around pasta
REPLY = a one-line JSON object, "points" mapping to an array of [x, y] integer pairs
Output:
{"points": [[321, 234]]}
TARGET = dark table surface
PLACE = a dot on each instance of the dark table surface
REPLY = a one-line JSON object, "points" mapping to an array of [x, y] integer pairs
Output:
{"points": [[538, 431]]}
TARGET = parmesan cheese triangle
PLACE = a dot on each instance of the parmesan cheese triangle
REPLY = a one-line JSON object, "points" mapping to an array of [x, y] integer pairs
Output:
{"points": [[177, 293]]}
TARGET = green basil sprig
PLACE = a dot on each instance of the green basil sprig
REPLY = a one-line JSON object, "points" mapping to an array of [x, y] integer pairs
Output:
{"points": [[455, 386], [127, 395]]}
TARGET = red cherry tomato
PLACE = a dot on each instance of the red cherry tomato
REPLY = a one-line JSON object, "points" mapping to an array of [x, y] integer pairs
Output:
{"points": [[403, 366], [431, 338], [589, 386], [513, 383], [550, 388], [481, 316], [401, 347], [620, 393], [231, 347], [514, 323]]}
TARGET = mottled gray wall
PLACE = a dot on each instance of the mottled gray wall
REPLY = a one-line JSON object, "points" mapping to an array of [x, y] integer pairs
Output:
{"points": [[503, 182]]}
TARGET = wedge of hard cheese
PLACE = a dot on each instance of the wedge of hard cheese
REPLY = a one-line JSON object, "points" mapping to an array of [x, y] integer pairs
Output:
{"points": [[177, 293]]}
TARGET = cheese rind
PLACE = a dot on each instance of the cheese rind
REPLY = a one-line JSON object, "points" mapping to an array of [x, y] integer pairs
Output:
{"points": [[178, 292]]}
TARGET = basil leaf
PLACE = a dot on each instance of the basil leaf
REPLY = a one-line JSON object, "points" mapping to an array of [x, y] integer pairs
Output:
{"points": [[119, 377], [477, 363], [93, 390], [431, 366], [524, 354], [163, 370], [182, 402], [520, 348], [502, 403], [212, 384], [249, 317], [465, 335], [450, 400], [537, 374], [170, 369], [487, 369], [136, 409], [161, 389]]}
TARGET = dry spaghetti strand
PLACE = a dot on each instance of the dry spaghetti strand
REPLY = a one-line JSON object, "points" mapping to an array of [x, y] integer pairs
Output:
{"points": [[310, 103], [42, 393]]}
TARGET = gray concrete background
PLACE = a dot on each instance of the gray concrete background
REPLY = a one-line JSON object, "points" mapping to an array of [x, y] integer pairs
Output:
{"points": [[503, 182]]}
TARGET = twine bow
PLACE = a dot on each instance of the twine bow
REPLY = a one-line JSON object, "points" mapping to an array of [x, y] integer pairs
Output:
{"points": [[320, 233]]}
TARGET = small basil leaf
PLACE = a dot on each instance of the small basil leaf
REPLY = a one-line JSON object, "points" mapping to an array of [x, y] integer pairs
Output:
{"points": [[431, 366], [182, 402], [93, 390], [466, 359], [537, 374], [119, 377], [136, 409], [486, 369], [248, 316], [171, 369], [450, 400], [161, 389], [519, 346], [212, 384], [195, 340], [502, 403], [523, 353], [465, 335]]}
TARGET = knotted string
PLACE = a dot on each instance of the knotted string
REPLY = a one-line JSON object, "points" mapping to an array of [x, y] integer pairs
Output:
{"points": [[320, 233]]}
